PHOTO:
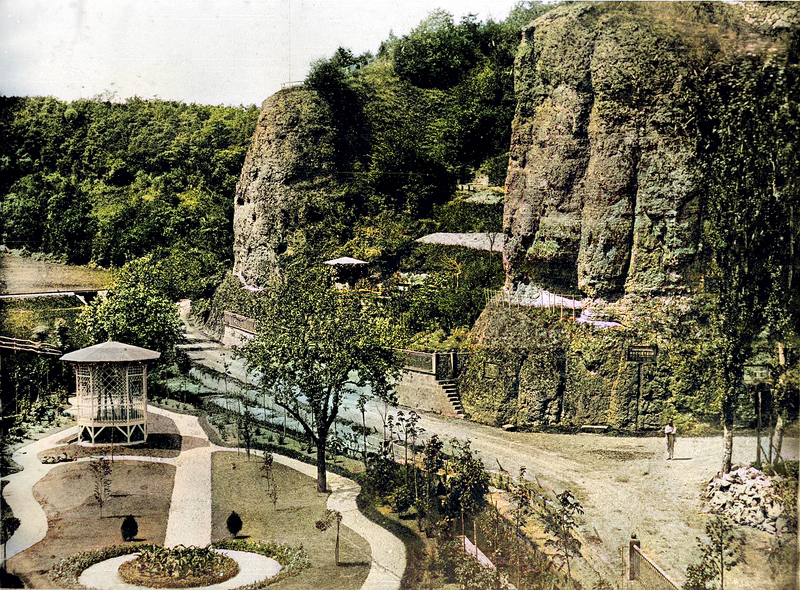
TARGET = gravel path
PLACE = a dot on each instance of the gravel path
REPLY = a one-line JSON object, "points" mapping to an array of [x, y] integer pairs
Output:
{"points": [[190, 509], [19, 492]]}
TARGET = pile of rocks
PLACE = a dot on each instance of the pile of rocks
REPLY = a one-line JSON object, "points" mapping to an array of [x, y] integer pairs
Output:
{"points": [[747, 496]]}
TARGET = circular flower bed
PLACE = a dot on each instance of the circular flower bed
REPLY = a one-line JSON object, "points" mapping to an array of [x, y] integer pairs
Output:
{"points": [[178, 567]]}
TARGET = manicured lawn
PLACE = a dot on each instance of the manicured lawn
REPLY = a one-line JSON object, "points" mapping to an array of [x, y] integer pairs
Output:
{"points": [[237, 485], [74, 523]]}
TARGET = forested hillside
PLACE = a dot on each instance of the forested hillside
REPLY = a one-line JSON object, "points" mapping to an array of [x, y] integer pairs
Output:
{"points": [[92, 180]]}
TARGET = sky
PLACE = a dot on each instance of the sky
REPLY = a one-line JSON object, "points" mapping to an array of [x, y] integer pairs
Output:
{"points": [[205, 51]]}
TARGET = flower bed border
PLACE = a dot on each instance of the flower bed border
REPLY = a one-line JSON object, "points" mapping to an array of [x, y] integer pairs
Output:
{"points": [[293, 560], [131, 575]]}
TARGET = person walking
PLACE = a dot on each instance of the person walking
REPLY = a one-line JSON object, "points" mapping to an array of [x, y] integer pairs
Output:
{"points": [[670, 431]]}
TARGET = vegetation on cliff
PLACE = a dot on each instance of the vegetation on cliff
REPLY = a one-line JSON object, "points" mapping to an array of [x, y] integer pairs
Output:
{"points": [[382, 142]]}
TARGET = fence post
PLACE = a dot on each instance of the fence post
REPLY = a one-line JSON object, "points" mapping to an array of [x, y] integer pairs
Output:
{"points": [[633, 559]]}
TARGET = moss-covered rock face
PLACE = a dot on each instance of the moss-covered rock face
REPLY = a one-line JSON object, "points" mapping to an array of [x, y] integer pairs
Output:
{"points": [[603, 172], [534, 368], [287, 166]]}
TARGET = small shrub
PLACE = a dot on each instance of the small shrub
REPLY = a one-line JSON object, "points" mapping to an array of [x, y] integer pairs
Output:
{"points": [[402, 499], [234, 523], [129, 528], [293, 559]]}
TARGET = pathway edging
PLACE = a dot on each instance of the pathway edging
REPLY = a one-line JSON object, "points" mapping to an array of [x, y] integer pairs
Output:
{"points": [[190, 508]]}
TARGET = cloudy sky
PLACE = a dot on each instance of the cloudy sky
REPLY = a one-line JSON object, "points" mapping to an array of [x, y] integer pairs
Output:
{"points": [[205, 51]]}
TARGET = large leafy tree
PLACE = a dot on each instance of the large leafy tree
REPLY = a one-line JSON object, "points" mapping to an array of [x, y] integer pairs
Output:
{"points": [[752, 193], [134, 313], [315, 343]]}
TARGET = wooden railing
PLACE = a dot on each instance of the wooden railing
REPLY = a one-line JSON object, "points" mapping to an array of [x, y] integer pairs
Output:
{"points": [[444, 365], [644, 570], [28, 346], [240, 322]]}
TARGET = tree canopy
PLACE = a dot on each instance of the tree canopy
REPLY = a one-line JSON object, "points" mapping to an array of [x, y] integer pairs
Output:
{"points": [[752, 168], [135, 312], [92, 180], [314, 344]]}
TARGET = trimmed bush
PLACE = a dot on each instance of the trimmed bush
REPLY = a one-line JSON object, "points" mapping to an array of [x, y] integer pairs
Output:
{"points": [[129, 528], [234, 523]]}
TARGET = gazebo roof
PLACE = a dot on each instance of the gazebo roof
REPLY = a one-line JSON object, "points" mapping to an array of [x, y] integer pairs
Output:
{"points": [[111, 352], [344, 260]]}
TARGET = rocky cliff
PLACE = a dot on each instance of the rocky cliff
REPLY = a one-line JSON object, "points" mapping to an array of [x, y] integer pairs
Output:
{"points": [[283, 179], [604, 178]]}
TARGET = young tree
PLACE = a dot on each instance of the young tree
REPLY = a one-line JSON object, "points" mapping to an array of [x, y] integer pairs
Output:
{"points": [[468, 482], [522, 494], [323, 524], [720, 553], [559, 520], [314, 344], [269, 475], [101, 471]]}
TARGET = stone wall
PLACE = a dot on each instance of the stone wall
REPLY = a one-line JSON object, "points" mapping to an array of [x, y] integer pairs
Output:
{"points": [[421, 391]]}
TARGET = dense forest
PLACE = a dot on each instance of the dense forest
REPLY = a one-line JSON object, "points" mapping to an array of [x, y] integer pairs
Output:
{"points": [[106, 182]]}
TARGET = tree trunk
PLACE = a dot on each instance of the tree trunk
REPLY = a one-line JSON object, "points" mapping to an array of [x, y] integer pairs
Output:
{"points": [[728, 413], [336, 550], [322, 473], [727, 453], [777, 435]]}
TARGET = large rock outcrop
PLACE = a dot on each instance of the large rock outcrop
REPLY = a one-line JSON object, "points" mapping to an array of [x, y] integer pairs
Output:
{"points": [[604, 173], [283, 176]]}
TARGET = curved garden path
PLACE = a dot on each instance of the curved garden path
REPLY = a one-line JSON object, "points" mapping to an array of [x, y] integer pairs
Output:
{"points": [[190, 509]]}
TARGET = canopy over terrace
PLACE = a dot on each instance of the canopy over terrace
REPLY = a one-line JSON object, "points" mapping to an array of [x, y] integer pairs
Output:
{"points": [[111, 386], [347, 269]]}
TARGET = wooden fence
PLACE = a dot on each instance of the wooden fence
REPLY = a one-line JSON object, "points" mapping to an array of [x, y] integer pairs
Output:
{"points": [[645, 571], [28, 346], [565, 304]]}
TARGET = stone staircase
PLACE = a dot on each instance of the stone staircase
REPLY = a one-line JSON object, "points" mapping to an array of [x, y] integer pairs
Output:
{"points": [[450, 389]]}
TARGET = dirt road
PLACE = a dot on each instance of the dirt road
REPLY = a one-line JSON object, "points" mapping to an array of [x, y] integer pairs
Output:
{"points": [[625, 484], [20, 274]]}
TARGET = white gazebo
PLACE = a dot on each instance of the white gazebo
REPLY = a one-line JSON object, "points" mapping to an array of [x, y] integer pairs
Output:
{"points": [[111, 384]]}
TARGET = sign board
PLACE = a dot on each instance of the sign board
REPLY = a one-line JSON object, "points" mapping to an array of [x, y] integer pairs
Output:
{"points": [[756, 373], [642, 354], [491, 370]]}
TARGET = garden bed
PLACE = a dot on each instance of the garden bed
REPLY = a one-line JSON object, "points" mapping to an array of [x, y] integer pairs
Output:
{"points": [[178, 567], [73, 516], [237, 485]]}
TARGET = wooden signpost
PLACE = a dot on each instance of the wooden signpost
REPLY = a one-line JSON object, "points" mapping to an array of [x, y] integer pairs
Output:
{"points": [[641, 354]]}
